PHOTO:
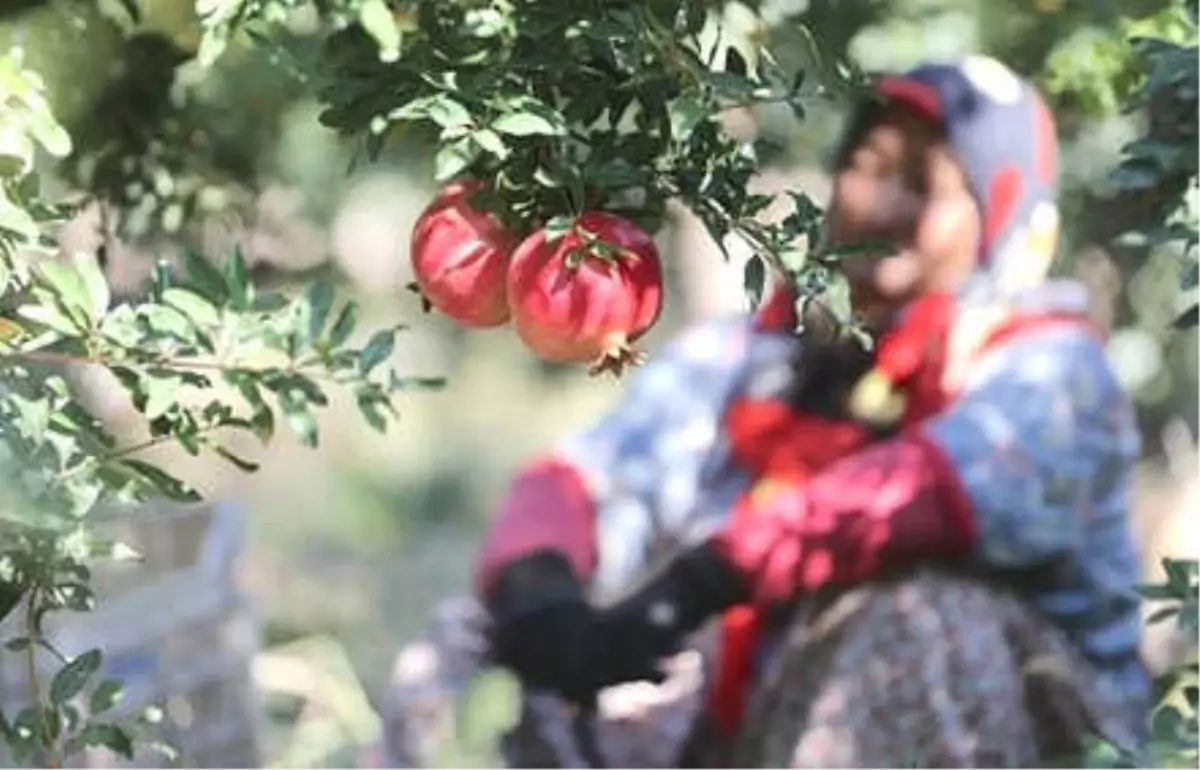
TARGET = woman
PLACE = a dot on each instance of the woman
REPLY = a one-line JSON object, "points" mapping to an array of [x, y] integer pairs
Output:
{"points": [[959, 593]]}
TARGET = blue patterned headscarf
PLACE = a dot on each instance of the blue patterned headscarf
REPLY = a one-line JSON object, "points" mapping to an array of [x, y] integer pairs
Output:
{"points": [[1003, 135]]}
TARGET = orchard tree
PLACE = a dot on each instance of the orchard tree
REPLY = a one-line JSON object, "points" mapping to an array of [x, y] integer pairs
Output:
{"points": [[202, 353], [565, 127]]}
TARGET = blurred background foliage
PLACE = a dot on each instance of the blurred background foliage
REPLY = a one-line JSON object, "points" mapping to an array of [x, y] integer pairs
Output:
{"points": [[207, 136]]}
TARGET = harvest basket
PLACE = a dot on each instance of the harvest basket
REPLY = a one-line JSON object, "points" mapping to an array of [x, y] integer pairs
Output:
{"points": [[174, 628]]}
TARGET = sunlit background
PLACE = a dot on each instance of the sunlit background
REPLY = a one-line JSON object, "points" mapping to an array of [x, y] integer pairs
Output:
{"points": [[350, 544]]}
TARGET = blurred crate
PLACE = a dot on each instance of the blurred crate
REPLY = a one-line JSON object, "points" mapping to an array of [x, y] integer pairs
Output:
{"points": [[173, 628]]}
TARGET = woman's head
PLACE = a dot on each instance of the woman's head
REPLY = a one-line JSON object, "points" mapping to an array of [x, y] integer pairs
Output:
{"points": [[900, 185], [945, 171]]}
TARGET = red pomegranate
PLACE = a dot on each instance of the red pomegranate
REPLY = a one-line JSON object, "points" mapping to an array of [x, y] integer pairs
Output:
{"points": [[460, 257], [589, 294]]}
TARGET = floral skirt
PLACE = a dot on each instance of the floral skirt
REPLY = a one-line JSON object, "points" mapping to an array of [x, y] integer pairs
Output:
{"points": [[928, 669]]}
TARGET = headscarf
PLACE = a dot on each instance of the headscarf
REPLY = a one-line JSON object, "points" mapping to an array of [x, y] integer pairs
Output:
{"points": [[1004, 137]]}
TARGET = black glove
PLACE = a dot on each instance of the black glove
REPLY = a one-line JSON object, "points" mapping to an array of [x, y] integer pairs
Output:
{"points": [[546, 633], [654, 622]]}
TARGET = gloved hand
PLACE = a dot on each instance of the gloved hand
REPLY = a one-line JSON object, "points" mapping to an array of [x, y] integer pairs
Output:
{"points": [[654, 622], [546, 633]]}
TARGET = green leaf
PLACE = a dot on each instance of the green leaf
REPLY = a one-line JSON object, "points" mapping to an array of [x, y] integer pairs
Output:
{"points": [[18, 220], [169, 754], [1192, 694], [238, 281], [1189, 616], [1166, 722], [299, 418], [690, 18], [526, 124], [205, 278], [735, 63], [416, 383], [454, 158], [49, 133], [320, 302], [51, 317], [754, 280], [197, 308], [372, 411], [558, 227], [687, 111], [66, 284], [10, 597], [241, 463], [442, 109], [96, 284], [106, 695], [377, 350], [161, 393], [376, 18], [343, 327], [263, 424], [111, 737], [73, 677], [27, 733], [77, 597], [1155, 591], [163, 482], [1162, 614], [491, 142]]}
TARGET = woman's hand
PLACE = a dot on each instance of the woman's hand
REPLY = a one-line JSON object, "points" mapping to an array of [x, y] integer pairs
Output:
{"points": [[546, 633]]}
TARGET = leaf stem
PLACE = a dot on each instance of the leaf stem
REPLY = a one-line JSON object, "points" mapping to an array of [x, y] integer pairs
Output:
{"points": [[123, 452], [34, 639], [175, 364]]}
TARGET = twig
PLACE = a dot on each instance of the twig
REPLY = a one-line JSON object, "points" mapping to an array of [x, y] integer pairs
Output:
{"points": [[176, 364], [33, 634], [124, 452]]}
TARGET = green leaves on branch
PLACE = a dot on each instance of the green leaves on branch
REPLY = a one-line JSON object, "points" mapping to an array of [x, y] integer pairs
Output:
{"points": [[204, 356], [1174, 729], [212, 357], [26, 124], [1163, 162], [215, 331], [63, 720], [557, 109]]}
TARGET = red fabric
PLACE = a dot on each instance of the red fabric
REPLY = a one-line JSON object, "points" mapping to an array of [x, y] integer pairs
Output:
{"points": [[913, 354], [1002, 200], [768, 438], [548, 507], [913, 93], [778, 313], [896, 501], [920, 336], [1021, 324]]}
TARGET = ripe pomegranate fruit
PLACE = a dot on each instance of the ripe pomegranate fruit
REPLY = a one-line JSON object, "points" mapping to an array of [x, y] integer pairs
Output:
{"points": [[586, 295], [460, 258]]}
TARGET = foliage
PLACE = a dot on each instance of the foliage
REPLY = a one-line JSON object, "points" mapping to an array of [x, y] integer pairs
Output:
{"points": [[203, 355], [561, 108], [1165, 158], [558, 107], [1174, 727]]}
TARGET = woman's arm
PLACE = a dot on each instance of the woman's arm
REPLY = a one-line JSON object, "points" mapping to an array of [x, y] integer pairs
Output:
{"points": [[604, 496]]}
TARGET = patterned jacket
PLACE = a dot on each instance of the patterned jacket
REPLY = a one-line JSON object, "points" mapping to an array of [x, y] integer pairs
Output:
{"points": [[1026, 472]]}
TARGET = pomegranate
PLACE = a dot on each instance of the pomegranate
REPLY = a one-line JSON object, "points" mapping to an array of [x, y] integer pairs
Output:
{"points": [[460, 258], [588, 294]]}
